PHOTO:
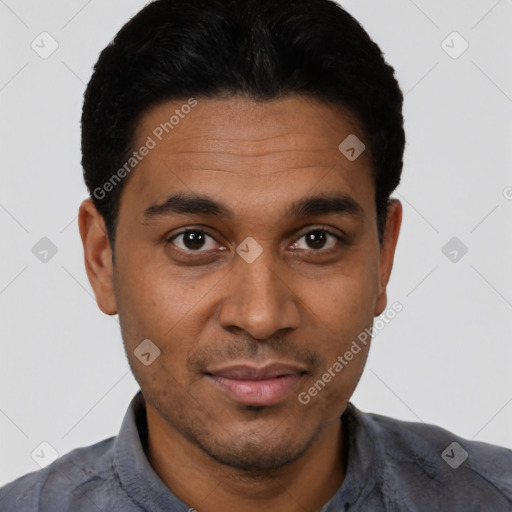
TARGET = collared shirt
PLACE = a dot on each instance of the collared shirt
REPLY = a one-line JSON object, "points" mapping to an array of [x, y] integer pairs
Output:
{"points": [[392, 465]]}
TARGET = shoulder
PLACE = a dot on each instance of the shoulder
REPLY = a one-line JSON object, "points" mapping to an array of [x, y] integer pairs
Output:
{"points": [[63, 481], [440, 464]]}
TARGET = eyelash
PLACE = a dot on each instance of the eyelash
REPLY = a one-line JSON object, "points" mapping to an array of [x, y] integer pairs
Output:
{"points": [[191, 253]]}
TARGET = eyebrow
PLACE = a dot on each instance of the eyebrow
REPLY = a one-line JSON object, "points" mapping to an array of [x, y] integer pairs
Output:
{"points": [[189, 204]]}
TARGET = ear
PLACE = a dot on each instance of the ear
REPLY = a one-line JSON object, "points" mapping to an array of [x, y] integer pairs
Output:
{"points": [[387, 252], [98, 256]]}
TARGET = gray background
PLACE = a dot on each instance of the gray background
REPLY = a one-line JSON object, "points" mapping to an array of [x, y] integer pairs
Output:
{"points": [[445, 359]]}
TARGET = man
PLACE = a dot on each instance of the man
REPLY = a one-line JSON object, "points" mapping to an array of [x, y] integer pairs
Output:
{"points": [[240, 157]]}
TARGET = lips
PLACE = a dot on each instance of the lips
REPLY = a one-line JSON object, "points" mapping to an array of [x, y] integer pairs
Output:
{"points": [[257, 386]]}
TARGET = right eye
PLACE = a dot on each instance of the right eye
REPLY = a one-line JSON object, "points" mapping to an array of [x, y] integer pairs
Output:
{"points": [[192, 240]]}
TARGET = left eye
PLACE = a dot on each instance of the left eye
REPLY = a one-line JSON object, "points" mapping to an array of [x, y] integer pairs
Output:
{"points": [[317, 239]]}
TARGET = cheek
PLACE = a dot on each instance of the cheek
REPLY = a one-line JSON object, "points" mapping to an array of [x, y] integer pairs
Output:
{"points": [[345, 299], [156, 297], [344, 306], [327, 394], [159, 304]]}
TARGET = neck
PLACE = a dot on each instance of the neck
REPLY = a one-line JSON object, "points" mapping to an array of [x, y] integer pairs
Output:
{"points": [[208, 486]]}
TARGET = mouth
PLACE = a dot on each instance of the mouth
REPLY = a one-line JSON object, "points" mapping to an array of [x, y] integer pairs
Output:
{"points": [[257, 386]]}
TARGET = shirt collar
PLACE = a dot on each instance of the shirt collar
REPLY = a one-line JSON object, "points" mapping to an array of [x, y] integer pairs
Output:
{"points": [[364, 460], [135, 473]]}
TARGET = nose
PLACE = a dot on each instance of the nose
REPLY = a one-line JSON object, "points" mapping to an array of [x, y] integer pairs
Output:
{"points": [[260, 299]]}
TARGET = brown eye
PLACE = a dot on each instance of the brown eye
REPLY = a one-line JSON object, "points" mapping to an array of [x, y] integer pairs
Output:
{"points": [[318, 239], [193, 240]]}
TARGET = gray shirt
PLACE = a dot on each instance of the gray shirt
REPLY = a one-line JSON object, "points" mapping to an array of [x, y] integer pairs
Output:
{"points": [[392, 466]]}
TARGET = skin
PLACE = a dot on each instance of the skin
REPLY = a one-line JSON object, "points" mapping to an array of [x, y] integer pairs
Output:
{"points": [[297, 302]]}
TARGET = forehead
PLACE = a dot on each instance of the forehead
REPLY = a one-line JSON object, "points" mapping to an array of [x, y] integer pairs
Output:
{"points": [[248, 153]]}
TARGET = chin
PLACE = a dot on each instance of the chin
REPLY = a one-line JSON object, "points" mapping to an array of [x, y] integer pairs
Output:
{"points": [[254, 451]]}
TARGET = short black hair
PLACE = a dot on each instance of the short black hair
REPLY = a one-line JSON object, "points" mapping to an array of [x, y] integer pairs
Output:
{"points": [[261, 49]]}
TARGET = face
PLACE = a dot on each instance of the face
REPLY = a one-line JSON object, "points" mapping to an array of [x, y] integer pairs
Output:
{"points": [[247, 252]]}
